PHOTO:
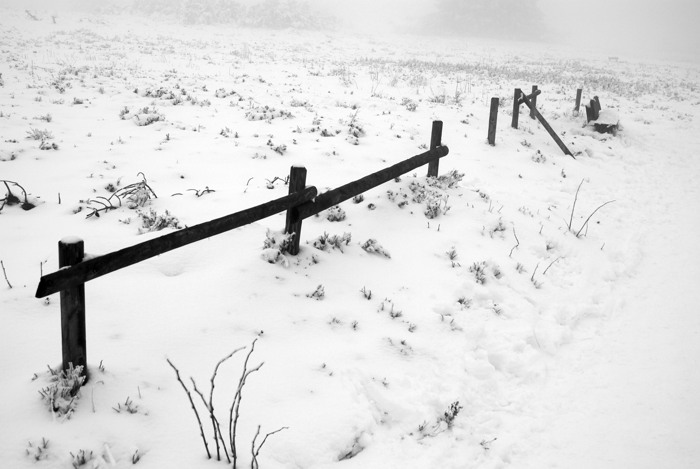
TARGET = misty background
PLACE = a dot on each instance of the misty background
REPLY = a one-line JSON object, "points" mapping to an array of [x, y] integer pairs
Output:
{"points": [[626, 28]]}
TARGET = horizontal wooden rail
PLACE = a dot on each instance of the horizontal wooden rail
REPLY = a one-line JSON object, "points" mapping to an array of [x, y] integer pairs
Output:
{"points": [[98, 266], [349, 190], [75, 270], [535, 93]]}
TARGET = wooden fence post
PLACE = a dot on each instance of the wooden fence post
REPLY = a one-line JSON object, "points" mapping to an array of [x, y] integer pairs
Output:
{"points": [[516, 107], [297, 182], [579, 93], [435, 141], [533, 101], [73, 336], [493, 119], [596, 100], [595, 110]]}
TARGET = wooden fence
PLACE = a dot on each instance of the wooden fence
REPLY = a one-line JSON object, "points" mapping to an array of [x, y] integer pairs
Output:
{"points": [[301, 202]]}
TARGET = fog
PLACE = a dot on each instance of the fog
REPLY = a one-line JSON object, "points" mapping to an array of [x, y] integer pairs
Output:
{"points": [[644, 28], [639, 28], [635, 28]]}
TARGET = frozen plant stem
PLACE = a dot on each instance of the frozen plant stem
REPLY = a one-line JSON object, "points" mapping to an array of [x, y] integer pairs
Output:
{"points": [[5, 274], [585, 223], [517, 241], [234, 412], [210, 407], [573, 208], [571, 218], [256, 451], [189, 396], [550, 265]]}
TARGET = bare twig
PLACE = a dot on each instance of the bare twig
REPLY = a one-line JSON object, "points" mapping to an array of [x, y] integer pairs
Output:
{"points": [[5, 274], [246, 185], [234, 412], [532, 278], [516, 240], [200, 193], [256, 451], [138, 193], [11, 199], [550, 265], [214, 423], [589, 216], [210, 407], [189, 396], [571, 218]]}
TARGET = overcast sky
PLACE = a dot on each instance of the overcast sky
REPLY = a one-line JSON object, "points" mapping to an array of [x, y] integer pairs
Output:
{"points": [[656, 28], [643, 27]]}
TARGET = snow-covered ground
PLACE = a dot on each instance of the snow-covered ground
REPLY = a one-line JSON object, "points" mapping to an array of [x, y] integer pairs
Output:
{"points": [[492, 336]]}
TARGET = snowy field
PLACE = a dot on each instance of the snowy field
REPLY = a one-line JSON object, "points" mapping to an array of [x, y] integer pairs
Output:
{"points": [[498, 330]]}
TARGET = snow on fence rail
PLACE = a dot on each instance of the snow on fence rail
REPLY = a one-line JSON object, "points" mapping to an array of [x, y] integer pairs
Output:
{"points": [[301, 202]]}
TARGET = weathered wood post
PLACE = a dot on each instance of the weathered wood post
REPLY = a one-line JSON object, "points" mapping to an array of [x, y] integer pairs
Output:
{"points": [[596, 100], [516, 107], [297, 182], [493, 119], [435, 141], [595, 109], [579, 93], [73, 336], [533, 101]]}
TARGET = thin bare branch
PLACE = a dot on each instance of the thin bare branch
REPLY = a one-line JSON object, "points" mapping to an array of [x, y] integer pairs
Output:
{"points": [[571, 218], [5, 274], [234, 412], [589, 216], [516, 240], [189, 396], [256, 451], [550, 265], [211, 416]]}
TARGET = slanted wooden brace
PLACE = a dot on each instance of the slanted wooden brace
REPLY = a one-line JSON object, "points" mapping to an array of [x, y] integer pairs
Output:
{"points": [[520, 98]]}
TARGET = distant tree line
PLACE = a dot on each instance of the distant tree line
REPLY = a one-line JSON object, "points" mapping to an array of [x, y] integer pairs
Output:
{"points": [[276, 14], [506, 19]]}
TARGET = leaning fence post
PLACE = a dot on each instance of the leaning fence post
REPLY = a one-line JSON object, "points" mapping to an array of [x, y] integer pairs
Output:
{"points": [[297, 182], [533, 101], [435, 141], [493, 119], [73, 337], [516, 108], [579, 92]]}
